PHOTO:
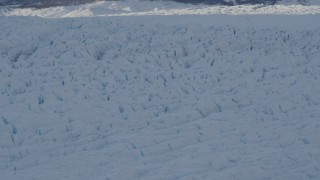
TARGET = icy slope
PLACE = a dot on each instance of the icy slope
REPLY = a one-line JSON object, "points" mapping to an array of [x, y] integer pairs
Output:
{"points": [[175, 97]]}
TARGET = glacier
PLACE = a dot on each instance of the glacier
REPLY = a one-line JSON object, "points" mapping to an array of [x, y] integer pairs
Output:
{"points": [[159, 97]]}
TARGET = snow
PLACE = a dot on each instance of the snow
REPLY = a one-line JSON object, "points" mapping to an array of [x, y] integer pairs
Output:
{"points": [[159, 97]]}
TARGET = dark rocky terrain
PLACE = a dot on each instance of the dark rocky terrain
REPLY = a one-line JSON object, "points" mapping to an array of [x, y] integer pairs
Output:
{"points": [[229, 2], [43, 3], [50, 3]]}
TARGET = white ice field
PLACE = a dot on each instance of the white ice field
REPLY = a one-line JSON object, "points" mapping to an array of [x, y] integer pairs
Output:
{"points": [[159, 97]]}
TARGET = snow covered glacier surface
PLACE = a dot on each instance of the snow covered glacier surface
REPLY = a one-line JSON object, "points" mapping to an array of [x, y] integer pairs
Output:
{"points": [[160, 97]]}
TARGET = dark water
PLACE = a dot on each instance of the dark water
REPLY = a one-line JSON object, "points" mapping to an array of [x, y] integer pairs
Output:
{"points": [[51, 3]]}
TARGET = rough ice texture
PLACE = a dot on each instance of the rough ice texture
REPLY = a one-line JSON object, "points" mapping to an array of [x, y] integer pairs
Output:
{"points": [[176, 97]]}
